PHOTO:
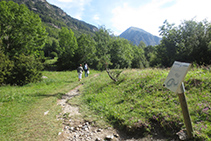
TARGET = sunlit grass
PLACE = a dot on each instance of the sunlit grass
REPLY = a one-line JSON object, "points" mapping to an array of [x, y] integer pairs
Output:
{"points": [[139, 100], [22, 108]]}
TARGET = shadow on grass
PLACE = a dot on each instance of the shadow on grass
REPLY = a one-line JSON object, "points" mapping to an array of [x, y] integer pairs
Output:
{"points": [[57, 95], [69, 81], [66, 96]]}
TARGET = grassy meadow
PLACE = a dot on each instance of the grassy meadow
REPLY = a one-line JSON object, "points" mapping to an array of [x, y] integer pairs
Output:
{"points": [[139, 102], [22, 108], [136, 102]]}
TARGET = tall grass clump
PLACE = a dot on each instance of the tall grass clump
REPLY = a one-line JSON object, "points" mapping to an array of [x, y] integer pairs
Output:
{"points": [[138, 101]]}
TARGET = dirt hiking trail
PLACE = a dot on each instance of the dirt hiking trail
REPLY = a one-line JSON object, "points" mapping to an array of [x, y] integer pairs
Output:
{"points": [[75, 128]]}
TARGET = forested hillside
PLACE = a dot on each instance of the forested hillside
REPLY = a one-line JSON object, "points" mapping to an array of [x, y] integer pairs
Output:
{"points": [[136, 35], [54, 17]]}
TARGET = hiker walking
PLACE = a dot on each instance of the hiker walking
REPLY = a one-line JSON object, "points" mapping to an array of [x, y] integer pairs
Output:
{"points": [[86, 69], [80, 70]]}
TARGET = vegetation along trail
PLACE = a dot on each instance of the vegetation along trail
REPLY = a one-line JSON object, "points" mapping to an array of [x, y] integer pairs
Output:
{"points": [[139, 107], [76, 127]]}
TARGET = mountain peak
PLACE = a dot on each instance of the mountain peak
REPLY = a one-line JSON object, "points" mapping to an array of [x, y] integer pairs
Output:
{"points": [[136, 28], [136, 35]]}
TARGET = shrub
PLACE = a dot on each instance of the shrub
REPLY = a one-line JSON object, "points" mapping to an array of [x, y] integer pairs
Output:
{"points": [[65, 62], [53, 54], [26, 70], [5, 68]]}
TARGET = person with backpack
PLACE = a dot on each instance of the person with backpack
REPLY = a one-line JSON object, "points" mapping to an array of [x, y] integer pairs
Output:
{"points": [[80, 71], [86, 70]]}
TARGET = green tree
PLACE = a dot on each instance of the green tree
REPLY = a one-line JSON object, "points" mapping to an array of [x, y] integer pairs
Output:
{"points": [[48, 47], [142, 45], [139, 60], [189, 42], [103, 40], [52, 45], [166, 51], [193, 42], [26, 69], [68, 45], [56, 47], [121, 53], [86, 51], [21, 30], [22, 37], [150, 55]]}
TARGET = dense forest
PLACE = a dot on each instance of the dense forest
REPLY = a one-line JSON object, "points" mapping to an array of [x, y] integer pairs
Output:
{"points": [[26, 42]]}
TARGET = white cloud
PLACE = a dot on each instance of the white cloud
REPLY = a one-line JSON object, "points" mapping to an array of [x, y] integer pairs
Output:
{"points": [[74, 8], [152, 15], [96, 17], [78, 8], [144, 17]]}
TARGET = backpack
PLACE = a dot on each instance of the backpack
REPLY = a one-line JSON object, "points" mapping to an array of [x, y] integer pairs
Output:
{"points": [[85, 67], [79, 70]]}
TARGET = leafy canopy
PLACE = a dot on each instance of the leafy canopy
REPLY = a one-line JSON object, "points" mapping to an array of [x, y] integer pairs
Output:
{"points": [[22, 37], [68, 45], [21, 30], [86, 50], [189, 42]]}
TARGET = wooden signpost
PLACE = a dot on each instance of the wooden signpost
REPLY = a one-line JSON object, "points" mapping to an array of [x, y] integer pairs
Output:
{"points": [[174, 82]]}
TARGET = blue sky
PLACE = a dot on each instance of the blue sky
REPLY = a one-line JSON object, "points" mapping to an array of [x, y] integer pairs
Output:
{"points": [[118, 15]]}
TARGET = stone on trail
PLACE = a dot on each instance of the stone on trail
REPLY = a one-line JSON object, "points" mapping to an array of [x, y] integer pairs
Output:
{"points": [[98, 139], [99, 130], [45, 113], [109, 137]]}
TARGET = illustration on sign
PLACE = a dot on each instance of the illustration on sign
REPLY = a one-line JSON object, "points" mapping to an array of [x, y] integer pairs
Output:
{"points": [[176, 75]]}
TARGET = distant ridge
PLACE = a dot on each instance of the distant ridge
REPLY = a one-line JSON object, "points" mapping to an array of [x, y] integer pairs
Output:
{"points": [[136, 35], [55, 17]]}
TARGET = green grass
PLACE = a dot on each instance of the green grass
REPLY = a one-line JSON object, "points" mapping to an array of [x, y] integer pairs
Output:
{"points": [[139, 101], [51, 61], [22, 108]]}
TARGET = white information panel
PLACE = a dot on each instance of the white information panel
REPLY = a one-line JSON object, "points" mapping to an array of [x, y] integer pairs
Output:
{"points": [[176, 76]]}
